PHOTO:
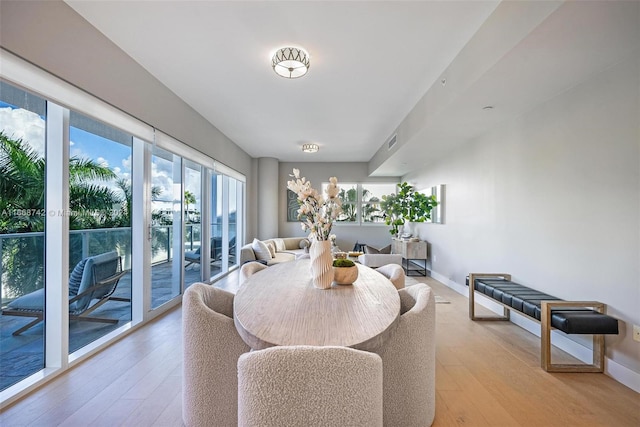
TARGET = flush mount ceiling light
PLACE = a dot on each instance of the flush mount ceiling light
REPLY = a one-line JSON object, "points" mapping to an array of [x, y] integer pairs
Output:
{"points": [[290, 62], [310, 148]]}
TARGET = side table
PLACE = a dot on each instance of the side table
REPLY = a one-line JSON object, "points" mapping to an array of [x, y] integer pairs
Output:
{"points": [[411, 251]]}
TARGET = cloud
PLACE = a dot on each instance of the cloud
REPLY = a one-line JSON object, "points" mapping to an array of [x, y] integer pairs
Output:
{"points": [[23, 124], [126, 163], [30, 127]]}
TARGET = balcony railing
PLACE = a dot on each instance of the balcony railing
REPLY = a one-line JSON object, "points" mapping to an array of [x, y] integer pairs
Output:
{"points": [[82, 244]]}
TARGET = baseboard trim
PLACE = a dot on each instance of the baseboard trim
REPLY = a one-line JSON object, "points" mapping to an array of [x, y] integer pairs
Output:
{"points": [[581, 351]]}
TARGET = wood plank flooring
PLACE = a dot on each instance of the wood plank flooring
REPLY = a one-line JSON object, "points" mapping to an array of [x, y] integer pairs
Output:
{"points": [[487, 374]]}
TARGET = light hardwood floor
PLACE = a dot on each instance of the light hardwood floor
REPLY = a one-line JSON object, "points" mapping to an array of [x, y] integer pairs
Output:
{"points": [[487, 374]]}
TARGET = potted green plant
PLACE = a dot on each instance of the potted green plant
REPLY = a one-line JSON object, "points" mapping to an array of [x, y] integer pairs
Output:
{"points": [[345, 271], [406, 206]]}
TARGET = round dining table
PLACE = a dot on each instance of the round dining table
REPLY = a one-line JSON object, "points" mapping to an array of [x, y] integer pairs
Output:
{"points": [[280, 306]]}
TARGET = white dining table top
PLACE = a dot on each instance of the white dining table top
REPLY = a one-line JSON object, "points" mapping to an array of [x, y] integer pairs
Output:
{"points": [[280, 306]]}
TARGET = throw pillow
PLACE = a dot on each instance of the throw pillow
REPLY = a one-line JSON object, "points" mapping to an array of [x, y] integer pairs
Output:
{"points": [[261, 250], [272, 249], [304, 243], [371, 250], [280, 246], [75, 278]]}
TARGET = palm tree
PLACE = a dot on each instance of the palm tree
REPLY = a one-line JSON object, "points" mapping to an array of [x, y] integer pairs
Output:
{"points": [[189, 198], [371, 210], [21, 187], [22, 209], [22, 174], [349, 199]]}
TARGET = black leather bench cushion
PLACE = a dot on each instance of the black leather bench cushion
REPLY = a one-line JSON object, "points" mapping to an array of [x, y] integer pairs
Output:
{"points": [[583, 322], [528, 301]]}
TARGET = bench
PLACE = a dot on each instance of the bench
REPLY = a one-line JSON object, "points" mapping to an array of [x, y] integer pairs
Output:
{"points": [[570, 317]]}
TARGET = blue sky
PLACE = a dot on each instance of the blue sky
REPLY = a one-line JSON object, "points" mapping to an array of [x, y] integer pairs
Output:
{"points": [[21, 123], [88, 145], [29, 126]]}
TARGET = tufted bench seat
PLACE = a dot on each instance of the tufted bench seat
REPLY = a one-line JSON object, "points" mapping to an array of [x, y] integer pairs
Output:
{"points": [[570, 317]]}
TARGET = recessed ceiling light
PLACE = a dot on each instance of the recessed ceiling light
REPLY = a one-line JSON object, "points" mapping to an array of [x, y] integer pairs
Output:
{"points": [[310, 148], [290, 62], [488, 107]]}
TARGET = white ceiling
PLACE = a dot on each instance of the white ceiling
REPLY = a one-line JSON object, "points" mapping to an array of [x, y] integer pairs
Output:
{"points": [[370, 63]]}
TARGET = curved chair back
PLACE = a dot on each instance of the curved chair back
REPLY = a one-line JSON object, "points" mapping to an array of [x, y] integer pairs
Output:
{"points": [[394, 273], [211, 347], [94, 270], [409, 361], [309, 386], [248, 269]]}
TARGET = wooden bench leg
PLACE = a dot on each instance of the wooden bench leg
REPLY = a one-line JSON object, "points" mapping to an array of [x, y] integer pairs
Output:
{"points": [[545, 336], [506, 313]]}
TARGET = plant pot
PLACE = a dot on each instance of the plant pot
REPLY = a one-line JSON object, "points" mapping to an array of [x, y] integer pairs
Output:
{"points": [[345, 275], [407, 229]]}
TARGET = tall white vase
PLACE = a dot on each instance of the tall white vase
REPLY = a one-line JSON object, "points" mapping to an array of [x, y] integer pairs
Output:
{"points": [[321, 264]]}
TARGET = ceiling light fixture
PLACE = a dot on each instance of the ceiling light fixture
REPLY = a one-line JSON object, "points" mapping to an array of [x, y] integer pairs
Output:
{"points": [[290, 62], [310, 148]]}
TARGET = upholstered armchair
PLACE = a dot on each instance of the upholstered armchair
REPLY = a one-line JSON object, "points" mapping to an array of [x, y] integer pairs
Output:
{"points": [[211, 347], [249, 269], [309, 386], [408, 360], [394, 273]]}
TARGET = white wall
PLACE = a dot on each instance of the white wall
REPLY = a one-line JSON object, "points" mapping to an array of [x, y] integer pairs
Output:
{"points": [[553, 198], [317, 173]]}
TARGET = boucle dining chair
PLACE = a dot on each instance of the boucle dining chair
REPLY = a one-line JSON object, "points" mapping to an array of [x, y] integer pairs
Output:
{"points": [[408, 360], [394, 273], [309, 386], [248, 269], [211, 348]]}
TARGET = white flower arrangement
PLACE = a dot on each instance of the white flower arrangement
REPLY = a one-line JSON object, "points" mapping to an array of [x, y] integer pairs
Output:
{"points": [[316, 213]]}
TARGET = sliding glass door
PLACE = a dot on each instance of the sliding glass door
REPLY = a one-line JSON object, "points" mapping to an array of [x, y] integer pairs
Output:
{"points": [[194, 246], [115, 224], [166, 226], [100, 224], [226, 221], [22, 232]]}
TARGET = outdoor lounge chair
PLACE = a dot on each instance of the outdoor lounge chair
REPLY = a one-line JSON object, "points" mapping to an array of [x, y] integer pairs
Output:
{"points": [[192, 257], [93, 278]]}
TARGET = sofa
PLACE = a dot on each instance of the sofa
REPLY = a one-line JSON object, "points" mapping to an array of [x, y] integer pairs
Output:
{"points": [[282, 250], [375, 258], [378, 260]]}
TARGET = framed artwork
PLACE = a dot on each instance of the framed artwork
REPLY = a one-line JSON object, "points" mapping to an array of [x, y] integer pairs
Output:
{"points": [[292, 206]]}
